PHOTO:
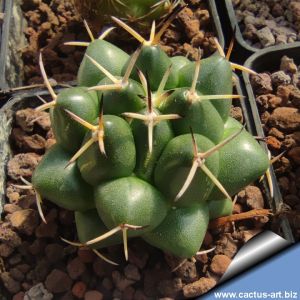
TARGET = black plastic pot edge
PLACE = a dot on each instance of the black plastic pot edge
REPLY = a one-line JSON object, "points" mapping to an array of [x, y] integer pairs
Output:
{"points": [[271, 60], [217, 22], [8, 7], [248, 49]]}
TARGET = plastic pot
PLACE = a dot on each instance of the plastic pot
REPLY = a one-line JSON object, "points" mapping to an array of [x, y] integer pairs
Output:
{"points": [[269, 60], [13, 39]]}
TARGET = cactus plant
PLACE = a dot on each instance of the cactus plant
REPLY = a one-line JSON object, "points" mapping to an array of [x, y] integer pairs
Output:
{"points": [[138, 12], [145, 147]]}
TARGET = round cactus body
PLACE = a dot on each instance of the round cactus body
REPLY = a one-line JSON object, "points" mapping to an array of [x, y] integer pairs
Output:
{"points": [[90, 226], [154, 62], [148, 150], [182, 231], [68, 133], [60, 183], [104, 53], [215, 78], [127, 98], [220, 208], [130, 200], [96, 167]]}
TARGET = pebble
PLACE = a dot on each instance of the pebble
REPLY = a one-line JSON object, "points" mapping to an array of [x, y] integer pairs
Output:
{"points": [[187, 271], [132, 272], [198, 287], [286, 119], [79, 289], [24, 220], [12, 285], [54, 252], [58, 281], [76, 268], [22, 165], [266, 37], [120, 281], [86, 255], [294, 154], [287, 65], [261, 83], [280, 77], [252, 196], [273, 143], [226, 245], [38, 292], [18, 296], [11, 208], [93, 295], [170, 287], [220, 264], [48, 230]]}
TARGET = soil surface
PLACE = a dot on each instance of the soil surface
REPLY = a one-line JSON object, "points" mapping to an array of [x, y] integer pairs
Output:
{"points": [[51, 23], [266, 23], [36, 264], [278, 98]]}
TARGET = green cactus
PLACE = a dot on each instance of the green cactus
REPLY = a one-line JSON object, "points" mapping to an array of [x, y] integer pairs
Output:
{"points": [[149, 152], [140, 12]]}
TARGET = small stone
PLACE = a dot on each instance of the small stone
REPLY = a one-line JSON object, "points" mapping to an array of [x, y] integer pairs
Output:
{"points": [[66, 217], [11, 208], [37, 247], [208, 239], [75, 268], [280, 77], [16, 274], [219, 264], [86, 255], [132, 272], [286, 119], [93, 295], [138, 258], [273, 143], [38, 292], [237, 113], [79, 289], [22, 165], [253, 197], [48, 230], [58, 281], [10, 284], [120, 281], [198, 287], [8, 236], [187, 271], [54, 252], [266, 37], [284, 183], [294, 154], [287, 65], [276, 133], [295, 98], [107, 283], [18, 296], [25, 220], [226, 245], [170, 287], [128, 293], [17, 258], [140, 295], [6, 250], [261, 83]]}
